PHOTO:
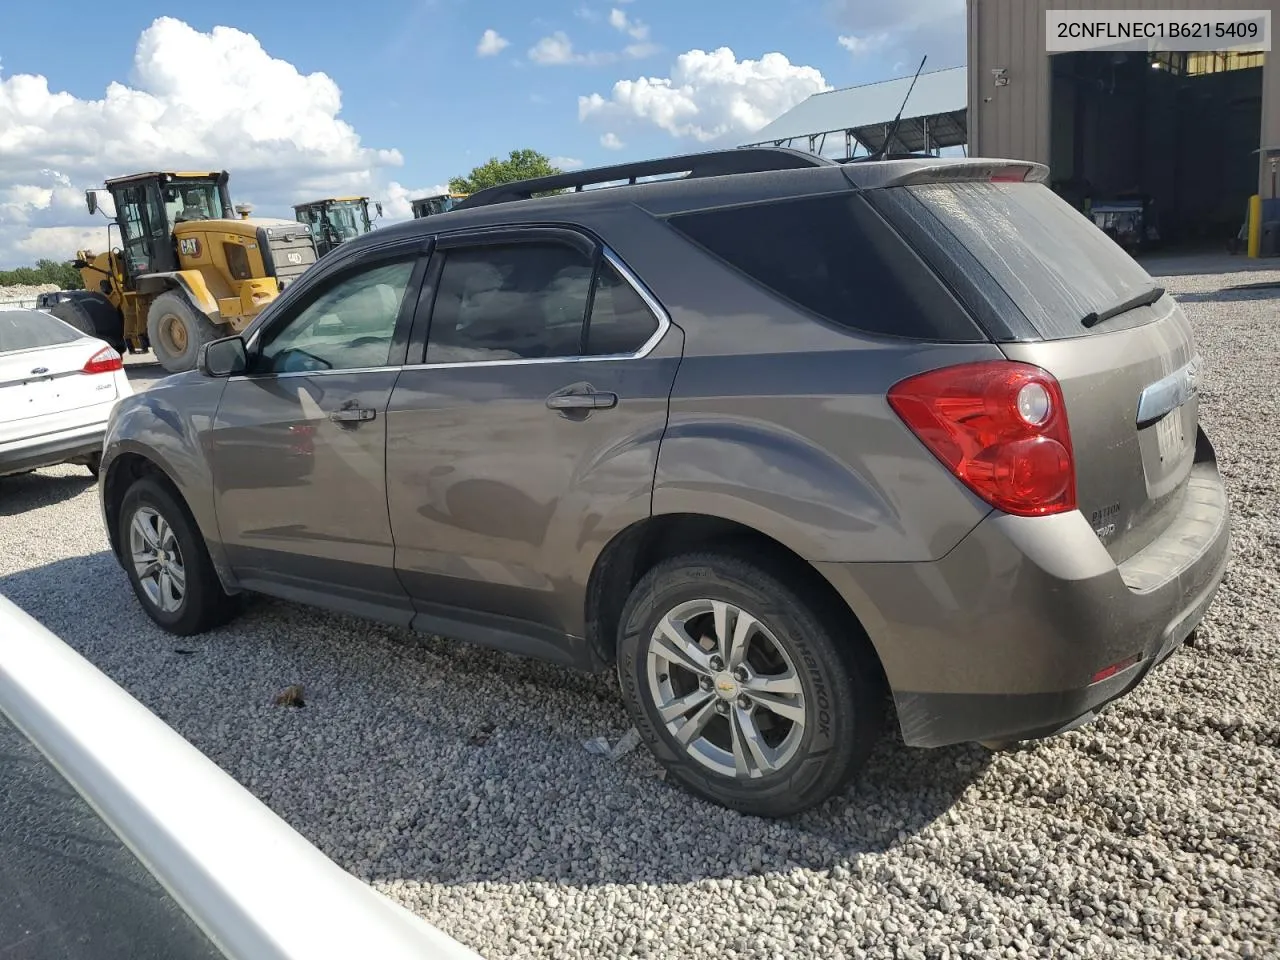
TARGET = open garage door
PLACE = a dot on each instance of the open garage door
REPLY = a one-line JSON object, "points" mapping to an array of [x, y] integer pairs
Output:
{"points": [[1160, 149]]}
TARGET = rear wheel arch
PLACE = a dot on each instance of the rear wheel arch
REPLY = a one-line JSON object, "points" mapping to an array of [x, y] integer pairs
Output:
{"points": [[645, 544]]}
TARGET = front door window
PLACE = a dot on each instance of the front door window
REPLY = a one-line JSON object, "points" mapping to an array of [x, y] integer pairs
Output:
{"points": [[348, 326]]}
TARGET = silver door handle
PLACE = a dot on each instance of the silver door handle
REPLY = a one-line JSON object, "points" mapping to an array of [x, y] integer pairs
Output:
{"points": [[352, 415]]}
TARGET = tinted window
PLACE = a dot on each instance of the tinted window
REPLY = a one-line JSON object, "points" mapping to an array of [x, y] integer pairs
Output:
{"points": [[1054, 263], [621, 322], [836, 257], [347, 327], [515, 302], [27, 330]]}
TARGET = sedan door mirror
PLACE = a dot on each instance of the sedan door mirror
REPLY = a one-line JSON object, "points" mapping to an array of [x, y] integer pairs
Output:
{"points": [[223, 358]]}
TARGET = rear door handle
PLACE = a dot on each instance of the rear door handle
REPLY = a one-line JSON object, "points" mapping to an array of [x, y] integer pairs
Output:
{"points": [[352, 415], [592, 400]]}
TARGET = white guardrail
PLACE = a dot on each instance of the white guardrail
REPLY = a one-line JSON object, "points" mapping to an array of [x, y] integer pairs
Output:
{"points": [[27, 303], [255, 886]]}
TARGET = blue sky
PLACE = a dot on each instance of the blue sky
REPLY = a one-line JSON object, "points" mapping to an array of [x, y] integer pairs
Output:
{"points": [[421, 98]]}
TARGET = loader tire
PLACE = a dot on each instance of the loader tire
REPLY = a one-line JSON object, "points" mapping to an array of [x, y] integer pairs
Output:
{"points": [[177, 331], [94, 316]]}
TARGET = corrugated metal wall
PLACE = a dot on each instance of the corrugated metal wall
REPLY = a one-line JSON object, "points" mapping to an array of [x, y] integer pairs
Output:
{"points": [[1013, 120]]}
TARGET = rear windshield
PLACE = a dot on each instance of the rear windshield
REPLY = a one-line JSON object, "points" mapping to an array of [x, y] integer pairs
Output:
{"points": [[28, 330], [1053, 263]]}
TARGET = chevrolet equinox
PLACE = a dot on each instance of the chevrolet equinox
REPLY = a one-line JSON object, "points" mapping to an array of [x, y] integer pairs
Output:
{"points": [[773, 436]]}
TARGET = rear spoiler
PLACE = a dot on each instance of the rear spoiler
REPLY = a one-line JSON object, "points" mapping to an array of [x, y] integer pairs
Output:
{"points": [[905, 173]]}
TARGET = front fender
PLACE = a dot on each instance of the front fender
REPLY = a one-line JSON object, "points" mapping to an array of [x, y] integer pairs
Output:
{"points": [[165, 426], [193, 286]]}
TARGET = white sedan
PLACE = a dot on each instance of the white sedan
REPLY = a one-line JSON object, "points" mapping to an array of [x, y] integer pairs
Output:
{"points": [[57, 389]]}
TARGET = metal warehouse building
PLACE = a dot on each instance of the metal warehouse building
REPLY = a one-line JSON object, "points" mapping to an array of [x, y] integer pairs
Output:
{"points": [[1198, 133]]}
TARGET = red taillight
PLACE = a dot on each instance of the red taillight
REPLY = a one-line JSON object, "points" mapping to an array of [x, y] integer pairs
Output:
{"points": [[105, 360], [1000, 427]]}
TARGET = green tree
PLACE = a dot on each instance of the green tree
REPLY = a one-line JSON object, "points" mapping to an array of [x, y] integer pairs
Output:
{"points": [[63, 274], [519, 165]]}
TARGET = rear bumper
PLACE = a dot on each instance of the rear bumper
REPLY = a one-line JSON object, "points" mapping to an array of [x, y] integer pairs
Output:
{"points": [[18, 456], [1002, 638]]}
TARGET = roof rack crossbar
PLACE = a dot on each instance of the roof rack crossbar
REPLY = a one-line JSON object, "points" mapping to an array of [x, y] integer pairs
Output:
{"points": [[716, 163]]}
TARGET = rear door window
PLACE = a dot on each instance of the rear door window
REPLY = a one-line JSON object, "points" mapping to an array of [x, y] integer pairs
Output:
{"points": [[518, 301], [837, 258], [30, 330], [1050, 260]]}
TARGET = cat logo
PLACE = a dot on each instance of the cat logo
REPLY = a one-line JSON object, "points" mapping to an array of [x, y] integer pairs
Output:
{"points": [[295, 259], [189, 247]]}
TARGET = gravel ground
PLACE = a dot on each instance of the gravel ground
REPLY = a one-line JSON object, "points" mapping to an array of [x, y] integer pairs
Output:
{"points": [[455, 780]]}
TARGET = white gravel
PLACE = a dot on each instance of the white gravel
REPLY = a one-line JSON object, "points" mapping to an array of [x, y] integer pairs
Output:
{"points": [[455, 779]]}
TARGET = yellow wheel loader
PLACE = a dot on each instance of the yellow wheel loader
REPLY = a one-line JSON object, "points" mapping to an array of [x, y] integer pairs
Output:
{"points": [[187, 269], [428, 206], [335, 219]]}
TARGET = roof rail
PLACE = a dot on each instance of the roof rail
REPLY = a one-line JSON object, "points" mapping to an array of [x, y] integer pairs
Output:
{"points": [[714, 163]]}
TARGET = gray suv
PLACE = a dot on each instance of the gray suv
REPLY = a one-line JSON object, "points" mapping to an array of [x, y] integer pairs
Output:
{"points": [[777, 438]]}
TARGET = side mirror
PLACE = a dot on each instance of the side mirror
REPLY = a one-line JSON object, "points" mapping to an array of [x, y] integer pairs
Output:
{"points": [[378, 206], [91, 201], [223, 358]]}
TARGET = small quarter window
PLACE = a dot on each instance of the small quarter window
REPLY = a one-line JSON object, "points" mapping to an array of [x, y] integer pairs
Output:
{"points": [[621, 322]]}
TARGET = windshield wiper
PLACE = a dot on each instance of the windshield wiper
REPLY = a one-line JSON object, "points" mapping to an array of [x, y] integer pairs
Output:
{"points": [[1144, 299]]}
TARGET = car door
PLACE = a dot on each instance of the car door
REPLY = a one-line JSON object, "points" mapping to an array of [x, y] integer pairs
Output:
{"points": [[526, 434], [299, 444]]}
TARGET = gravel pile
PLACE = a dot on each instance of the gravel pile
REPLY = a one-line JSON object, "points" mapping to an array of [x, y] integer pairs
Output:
{"points": [[24, 292], [455, 779]]}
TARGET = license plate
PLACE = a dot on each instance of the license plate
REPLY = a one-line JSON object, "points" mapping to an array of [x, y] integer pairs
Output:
{"points": [[1171, 437]]}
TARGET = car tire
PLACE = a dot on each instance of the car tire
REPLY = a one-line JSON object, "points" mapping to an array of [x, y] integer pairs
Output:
{"points": [[171, 537], [795, 647], [177, 331]]}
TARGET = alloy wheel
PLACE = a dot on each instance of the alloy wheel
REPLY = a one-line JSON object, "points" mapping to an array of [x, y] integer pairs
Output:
{"points": [[726, 689], [157, 559]]}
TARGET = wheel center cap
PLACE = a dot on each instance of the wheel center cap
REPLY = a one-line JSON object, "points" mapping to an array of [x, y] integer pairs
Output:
{"points": [[727, 688]]}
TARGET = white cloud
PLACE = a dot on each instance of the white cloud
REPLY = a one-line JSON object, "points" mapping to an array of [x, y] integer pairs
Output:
{"points": [[610, 141], [634, 28], [863, 44], [396, 199], [556, 49], [566, 163], [910, 27], [198, 101], [491, 44], [709, 96], [553, 50]]}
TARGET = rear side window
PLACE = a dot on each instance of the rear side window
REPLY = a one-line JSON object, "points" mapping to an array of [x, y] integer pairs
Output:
{"points": [[1052, 262], [29, 330], [522, 301], [838, 258]]}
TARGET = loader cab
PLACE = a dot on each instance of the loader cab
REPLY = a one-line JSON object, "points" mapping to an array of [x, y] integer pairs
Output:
{"points": [[430, 206], [335, 220], [148, 205]]}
